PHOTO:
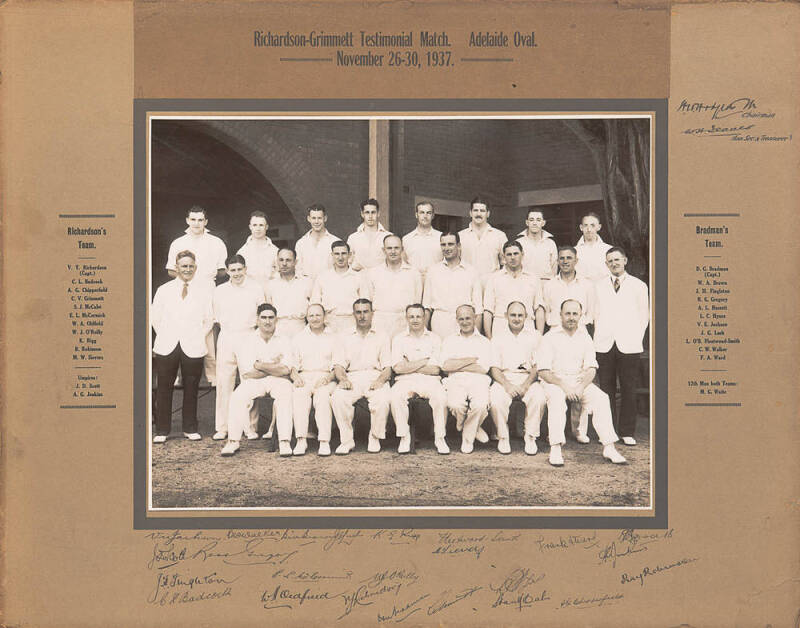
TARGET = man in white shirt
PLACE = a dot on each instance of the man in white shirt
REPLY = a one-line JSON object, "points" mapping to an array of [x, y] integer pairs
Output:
{"points": [[421, 246], [367, 241], [448, 284], [235, 303], [415, 361], [313, 379], [210, 255], [289, 294], [362, 366], [591, 250], [209, 251], [314, 248], [538, 246], [466, 359], [567, 284], [510, 283], [621, 320], [514, 374], [567, 366], [181, 316], [481, 244], [264, 360], [259, 251], [337, 289], [393, 286]]}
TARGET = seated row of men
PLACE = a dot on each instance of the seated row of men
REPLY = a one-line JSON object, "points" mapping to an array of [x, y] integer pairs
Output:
{"points": [[333, 371]]}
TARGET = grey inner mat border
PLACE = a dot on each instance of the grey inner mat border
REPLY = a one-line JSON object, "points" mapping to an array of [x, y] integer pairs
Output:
{"points": [[141, 521]]}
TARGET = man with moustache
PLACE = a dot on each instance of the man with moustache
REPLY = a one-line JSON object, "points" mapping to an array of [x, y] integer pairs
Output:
{"points": [[448, 284], [314, 248], [264, 360], [591, 250], [258, 250], [367, 241], [290, 294], [510, 283], [481, 244], [362, 366], [514, 373], [393, 286], [313, 380], [182, 317], [415, 362], [541, 256], [466, 359], [621, 319], [338, 287], [567, 366], [421, 246], [235, 303]]}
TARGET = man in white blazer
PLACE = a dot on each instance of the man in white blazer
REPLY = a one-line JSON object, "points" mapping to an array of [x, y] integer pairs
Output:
{"points": [[181, 316], [622, 314]]}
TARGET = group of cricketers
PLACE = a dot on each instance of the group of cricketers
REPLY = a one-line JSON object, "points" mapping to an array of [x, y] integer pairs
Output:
{"points": [[469, 321]]}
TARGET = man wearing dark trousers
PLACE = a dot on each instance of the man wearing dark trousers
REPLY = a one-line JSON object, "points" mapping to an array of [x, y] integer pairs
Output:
{"points": [[622, 314], [181, 316]]}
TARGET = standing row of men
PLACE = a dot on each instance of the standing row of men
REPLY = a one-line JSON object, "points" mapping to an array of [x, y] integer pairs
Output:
{"points": [[425, 267]]}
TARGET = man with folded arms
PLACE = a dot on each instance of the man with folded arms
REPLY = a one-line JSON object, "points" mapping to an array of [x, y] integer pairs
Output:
{"points": [[466, 359], [314, 248], [290, 294], [182, 317], [313, 380], [591, 250], [567, 366], [338, 287], [448, 284], [393, 286], [415, 361], [510, 283], [421, 246], [366, 242], [235, 303], [361, 364], [621, 320], [265, 360], [514, 373]]}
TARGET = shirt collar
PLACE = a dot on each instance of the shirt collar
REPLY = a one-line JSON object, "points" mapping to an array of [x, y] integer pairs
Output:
{"points": [[489, 227], [188, 231], [425, 332], [475, 332], [461, 264], [621, 278], [403, 266], [362, 226], [432, 232], [250, 239], [583, 242], [545, 234]]}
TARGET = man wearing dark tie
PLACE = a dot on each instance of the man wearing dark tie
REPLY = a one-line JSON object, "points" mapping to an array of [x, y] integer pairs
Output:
{"points": [[622, 314], [181, 316]]}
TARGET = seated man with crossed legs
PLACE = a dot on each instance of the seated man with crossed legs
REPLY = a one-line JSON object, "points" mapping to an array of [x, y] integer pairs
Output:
{"points": [[466, 359], [415, 361]]}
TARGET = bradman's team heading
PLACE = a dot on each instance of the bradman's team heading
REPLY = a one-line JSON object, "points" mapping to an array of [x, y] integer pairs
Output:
{"points": [[469, 321]]}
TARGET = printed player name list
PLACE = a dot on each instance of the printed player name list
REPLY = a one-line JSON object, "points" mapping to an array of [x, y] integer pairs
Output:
{"points": [[86, 293], [714, 341]]}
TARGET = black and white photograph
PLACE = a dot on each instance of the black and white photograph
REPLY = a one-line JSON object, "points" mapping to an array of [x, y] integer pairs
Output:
{"points": [[401, 312]]}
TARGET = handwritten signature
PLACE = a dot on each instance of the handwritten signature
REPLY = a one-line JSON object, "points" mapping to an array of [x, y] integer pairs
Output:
{"points": [[658, 569], [719, 110]]}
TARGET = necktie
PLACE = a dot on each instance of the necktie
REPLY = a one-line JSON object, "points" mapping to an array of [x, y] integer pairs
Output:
{"points": [[616, 284], [185, 290]]}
